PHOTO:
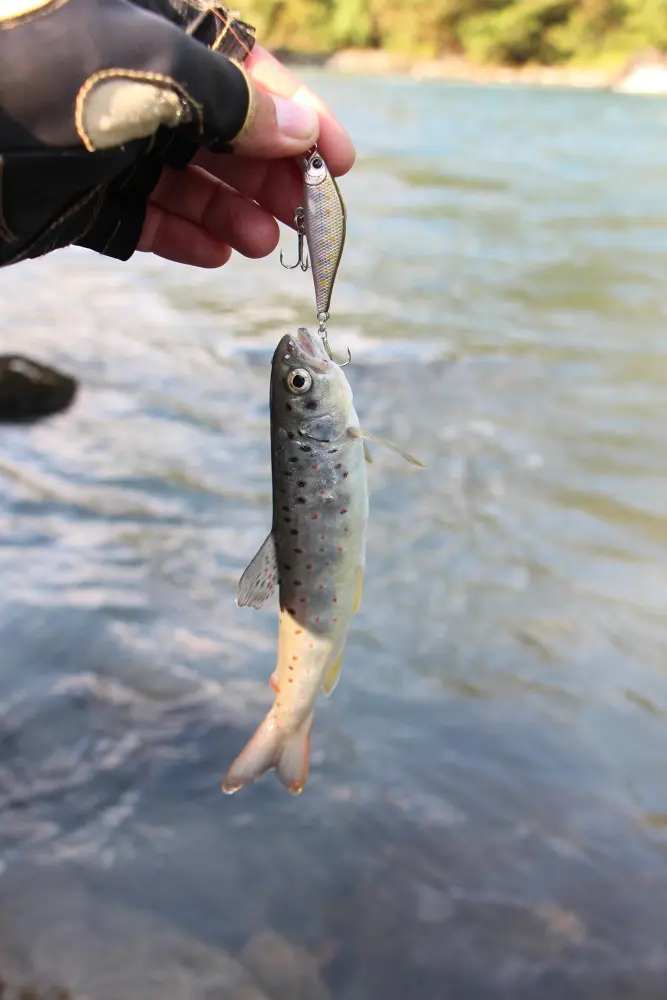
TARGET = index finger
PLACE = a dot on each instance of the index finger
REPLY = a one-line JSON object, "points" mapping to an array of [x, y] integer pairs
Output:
{"points": [[269, 74]]}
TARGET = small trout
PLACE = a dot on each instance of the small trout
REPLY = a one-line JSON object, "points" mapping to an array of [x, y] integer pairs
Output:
{"points": [[324, 223], [314, 554]]}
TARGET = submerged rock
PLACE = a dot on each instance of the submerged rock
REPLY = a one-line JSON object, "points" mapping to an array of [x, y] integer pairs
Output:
{"points": [[30, 391], [283, 970], [62, 940]]}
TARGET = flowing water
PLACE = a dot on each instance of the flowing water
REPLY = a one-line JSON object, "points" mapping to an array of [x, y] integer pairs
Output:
{"points": [[486, 815]]}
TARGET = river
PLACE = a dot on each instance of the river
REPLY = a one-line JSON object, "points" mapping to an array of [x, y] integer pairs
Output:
{"points": [[486, 814]]}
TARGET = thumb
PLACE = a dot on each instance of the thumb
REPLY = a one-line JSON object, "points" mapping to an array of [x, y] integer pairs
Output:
{"points": [[276, 127]]}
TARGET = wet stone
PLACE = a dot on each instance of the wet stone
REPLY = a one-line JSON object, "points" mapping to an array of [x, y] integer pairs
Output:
{"points": [[30, 391]]}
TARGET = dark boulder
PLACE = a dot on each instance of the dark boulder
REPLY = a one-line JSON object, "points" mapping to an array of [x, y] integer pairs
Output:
{"points": [[30, 391]]}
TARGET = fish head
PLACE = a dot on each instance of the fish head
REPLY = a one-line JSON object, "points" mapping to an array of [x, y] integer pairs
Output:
{"points": [[310, 395], [315, 170]]}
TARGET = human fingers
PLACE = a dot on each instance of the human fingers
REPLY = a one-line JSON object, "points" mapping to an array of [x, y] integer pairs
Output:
{"points": [[215, 218], [268, 73], [275, 184]]}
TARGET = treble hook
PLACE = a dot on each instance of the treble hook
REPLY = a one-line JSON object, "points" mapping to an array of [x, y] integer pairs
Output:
{"points": [[349, 358], [302, 256]]}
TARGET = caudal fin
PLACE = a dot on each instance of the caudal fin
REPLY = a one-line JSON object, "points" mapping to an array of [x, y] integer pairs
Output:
{"points": [[271, 748]]}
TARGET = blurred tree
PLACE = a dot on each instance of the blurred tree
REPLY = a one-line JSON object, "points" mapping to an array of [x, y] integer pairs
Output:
{"points": [[491, 31]]}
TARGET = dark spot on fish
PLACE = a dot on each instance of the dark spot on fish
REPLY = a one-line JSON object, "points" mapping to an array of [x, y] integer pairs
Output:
{"points": [[322, 550], [311, 405], [338, 465], [290, 435], [294, 531], [288, 407], [305, 447], [285, 507], [334, 600], [286, 566], [291, 611], [299, 552], [297, 583], [290, 680], [295, 657], [320, 586], [332, 451], [300, 499], [294, 458], [287, 519], [334, 619], [345, 475], [301, 484], [309, 565]]}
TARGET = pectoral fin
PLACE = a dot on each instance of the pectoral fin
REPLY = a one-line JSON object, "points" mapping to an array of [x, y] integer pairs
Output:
{"points": [[367, 436], [260, 578], [332, 675], [367, 454]]}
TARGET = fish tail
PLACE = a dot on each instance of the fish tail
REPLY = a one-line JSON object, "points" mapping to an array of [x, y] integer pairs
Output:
{"points": [[272, 747]]}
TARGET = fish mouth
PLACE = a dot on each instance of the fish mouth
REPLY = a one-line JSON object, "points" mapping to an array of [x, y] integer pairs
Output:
{"points": [[312, 347]]}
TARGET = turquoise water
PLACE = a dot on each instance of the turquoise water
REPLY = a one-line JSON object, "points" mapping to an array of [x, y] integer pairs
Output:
{"points": [[486, 813]]}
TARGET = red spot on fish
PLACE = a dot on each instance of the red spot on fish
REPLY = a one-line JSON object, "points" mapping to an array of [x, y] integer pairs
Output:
{"points": [[321, 586], [340, 548], [314, 467], [343, 510], [316, 619], [290, 680], [303, 599], [334, 600], [346, 528], [310, 645], [334, 619], [295, 657], [315, 517], [320, 550], [322, 538], [298, 631], [321, 493]]}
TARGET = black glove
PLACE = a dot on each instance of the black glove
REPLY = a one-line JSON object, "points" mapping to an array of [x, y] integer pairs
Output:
{"points": [[96, 97]]}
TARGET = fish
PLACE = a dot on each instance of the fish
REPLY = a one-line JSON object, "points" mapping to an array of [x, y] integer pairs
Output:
{"points": [[325, 227], [314, 555]]}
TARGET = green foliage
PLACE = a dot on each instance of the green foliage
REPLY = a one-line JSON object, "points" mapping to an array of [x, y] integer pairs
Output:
{"points": [[488, 31], [519, 33]]}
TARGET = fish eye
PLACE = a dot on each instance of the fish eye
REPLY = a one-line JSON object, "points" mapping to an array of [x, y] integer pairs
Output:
{"points": [[299, 381], [318, 162]]}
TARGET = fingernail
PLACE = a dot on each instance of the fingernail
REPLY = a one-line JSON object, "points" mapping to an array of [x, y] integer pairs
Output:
{"points": [[295, 122]]}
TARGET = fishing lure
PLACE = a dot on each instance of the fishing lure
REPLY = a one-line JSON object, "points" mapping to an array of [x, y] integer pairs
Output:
{"points": [[321, 224]]}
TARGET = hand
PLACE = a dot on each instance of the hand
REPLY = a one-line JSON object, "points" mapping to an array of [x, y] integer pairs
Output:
{"points": [[231, 202]]}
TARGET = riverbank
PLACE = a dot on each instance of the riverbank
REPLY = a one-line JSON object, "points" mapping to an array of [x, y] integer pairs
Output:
{"points": [[645, 73]]}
